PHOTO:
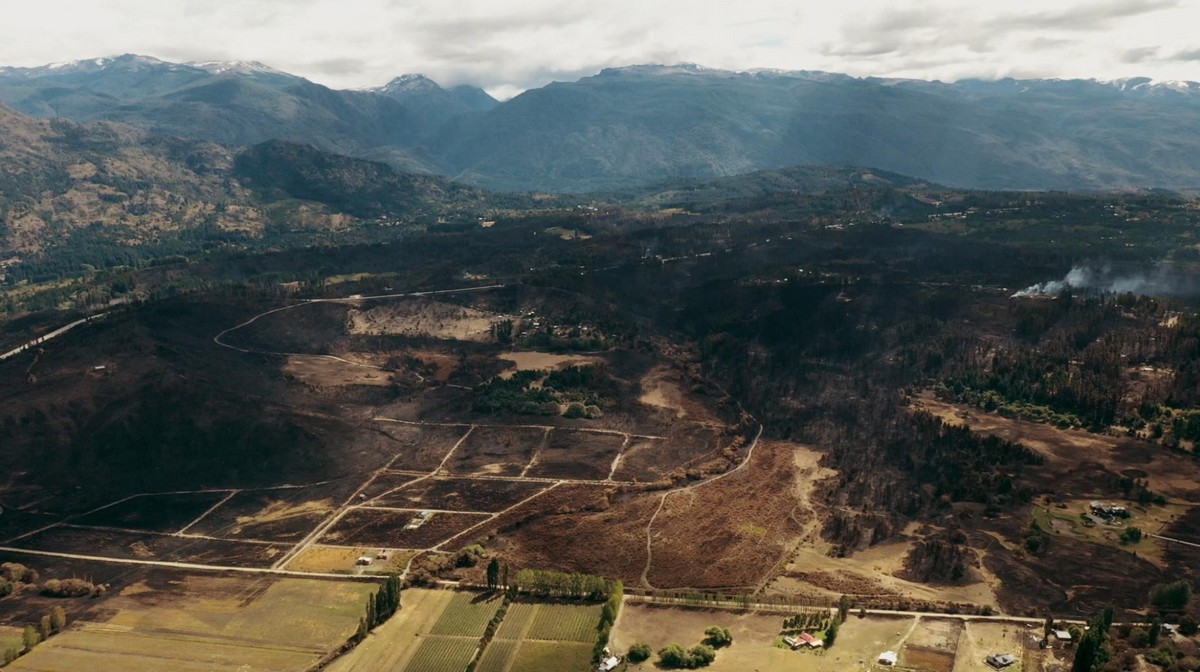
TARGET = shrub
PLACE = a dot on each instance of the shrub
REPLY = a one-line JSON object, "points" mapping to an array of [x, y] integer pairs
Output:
{"points": [[717, 637], [68, 588], [638, 652]]}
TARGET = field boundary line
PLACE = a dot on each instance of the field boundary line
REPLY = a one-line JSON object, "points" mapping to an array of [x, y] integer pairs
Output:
{"points": [[617, 460], [204, 515], [188, 565]]}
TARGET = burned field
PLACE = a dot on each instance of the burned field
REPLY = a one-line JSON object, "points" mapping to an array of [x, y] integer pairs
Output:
{"points": [[577, 455], [650, 460], [154, 513], [279, 515], [419, 447], [496, 451], [459, 494], [387, 528], [108, 543]]}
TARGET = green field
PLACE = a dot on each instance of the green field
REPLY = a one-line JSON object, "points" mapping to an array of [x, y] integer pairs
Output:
{"points": [[552, 657], [497, 655], [565, 623], [442, 654], [208, 624], [467, 615]]}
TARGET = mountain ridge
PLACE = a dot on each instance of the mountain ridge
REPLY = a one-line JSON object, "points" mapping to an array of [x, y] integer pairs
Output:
{"points": [[634, 125]]}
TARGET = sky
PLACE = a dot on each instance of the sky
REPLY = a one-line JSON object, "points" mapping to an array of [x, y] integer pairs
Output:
{"points": [[507, 46]]}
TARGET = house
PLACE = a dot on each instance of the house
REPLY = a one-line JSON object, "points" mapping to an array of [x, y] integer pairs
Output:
{"points": [[383, 555], [1000, 661], [362, 561], [608, 664], [1108, 510], [1170, 629], [887, 658], [1062, 635], [793, 642], [810, 641]]}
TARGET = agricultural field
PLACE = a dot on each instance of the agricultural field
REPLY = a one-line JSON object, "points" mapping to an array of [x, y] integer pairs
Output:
{"points": [[271, 515], [338, 559], [391, 646], [552, 657], [574, 454], [458, 494], [650, 460], [419, 448], [543, 637], [466, 615], [442, 654], [565, 623], [385, 528], [496, 451], [152, 546], [199, 623], [932, 645], [154, 513]]}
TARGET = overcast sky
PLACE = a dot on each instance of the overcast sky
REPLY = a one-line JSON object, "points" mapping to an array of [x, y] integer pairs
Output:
{"points": [[510, 45]]}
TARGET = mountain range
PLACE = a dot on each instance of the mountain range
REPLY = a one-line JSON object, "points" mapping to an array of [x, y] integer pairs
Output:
{"points": [[626, 127]]}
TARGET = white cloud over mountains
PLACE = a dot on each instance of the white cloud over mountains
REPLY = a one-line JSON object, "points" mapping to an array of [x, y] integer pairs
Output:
{"points": [[510, 45]]}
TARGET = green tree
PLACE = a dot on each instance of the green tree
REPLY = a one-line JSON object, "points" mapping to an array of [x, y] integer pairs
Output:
{"points": [[638, 652], [1131, 535], [58, 619], [1172, 596], [30, 637], [44, 627], [493, 574], [1085, 654], [10, 654], [1155, 632], [843, 607], [831, 634]]}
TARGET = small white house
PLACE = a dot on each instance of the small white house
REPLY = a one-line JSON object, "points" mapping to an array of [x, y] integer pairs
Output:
{"points": [[888, 658], [1062, 635], [363, 561], [608, 664]]}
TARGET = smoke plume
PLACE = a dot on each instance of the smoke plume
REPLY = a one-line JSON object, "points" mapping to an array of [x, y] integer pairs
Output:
{"points": [[1163, 280]]}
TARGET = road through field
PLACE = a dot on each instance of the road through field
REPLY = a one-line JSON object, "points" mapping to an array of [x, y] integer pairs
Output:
{"points": [[663, 501]]}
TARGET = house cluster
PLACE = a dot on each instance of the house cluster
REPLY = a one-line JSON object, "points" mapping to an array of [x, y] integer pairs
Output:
{"points": [[1102, 513], [803, 640], [366, 560]]}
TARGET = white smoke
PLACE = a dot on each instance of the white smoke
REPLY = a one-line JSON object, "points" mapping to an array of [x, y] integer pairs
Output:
{"points": [[1163, 280]]}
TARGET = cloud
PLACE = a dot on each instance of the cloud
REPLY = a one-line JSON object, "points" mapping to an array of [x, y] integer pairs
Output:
{"points": [[1185, 55], [1139, 55], [1085, 16], [509, 45]]}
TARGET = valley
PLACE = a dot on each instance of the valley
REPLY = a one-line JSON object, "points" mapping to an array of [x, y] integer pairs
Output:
{"points": [[791, 393]]}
